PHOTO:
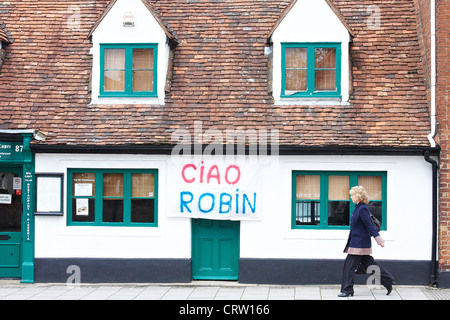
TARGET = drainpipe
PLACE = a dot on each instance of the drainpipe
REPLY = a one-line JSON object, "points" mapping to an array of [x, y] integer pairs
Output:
{"points": [[434, 264], [433, 73]]}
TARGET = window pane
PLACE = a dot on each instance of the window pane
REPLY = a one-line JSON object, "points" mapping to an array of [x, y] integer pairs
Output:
{"points": [[112, 210], [325, 58], [372, 184], [10, 211], [142, 210], [338, 213], [307, 213], [114, 59], [142, 59], [143, 185], [308, 187], [325, 80], [296, 58], [114, 70], [296, 81], [113, 185], [114, 80], [338, 188], [83, 184], [296, 70], [142, 80]]}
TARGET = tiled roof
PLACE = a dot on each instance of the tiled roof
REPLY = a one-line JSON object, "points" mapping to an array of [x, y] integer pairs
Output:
{"points": [[220, 76]]}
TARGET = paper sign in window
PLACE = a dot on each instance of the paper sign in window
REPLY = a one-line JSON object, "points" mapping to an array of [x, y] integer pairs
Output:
{"points": [[82, 207], [83, 190]]}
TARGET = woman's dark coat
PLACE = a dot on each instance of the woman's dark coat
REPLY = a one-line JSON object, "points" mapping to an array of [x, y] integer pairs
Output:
{"points": [[361, 228]]}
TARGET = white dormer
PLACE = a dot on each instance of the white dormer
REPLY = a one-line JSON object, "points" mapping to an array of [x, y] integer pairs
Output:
{"points": [[310, 54], [131, 50]]}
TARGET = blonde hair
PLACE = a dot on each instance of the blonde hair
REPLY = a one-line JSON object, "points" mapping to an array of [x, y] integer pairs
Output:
{"points": [[360, 193]]}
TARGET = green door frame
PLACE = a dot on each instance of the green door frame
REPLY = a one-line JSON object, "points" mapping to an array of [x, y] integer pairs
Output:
{"points": [[18, 154]]}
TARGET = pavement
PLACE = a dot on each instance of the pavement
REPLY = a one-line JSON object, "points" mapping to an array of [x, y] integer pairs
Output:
{"points": [[208, 290]]}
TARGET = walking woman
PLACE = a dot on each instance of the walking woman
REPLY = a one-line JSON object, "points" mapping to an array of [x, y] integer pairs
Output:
{"points": [[358, 246]]}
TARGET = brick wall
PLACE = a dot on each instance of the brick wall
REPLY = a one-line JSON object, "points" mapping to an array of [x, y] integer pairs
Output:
{"points": [[442, 102]]}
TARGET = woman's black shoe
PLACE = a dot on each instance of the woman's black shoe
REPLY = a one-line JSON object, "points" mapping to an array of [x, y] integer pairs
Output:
{"points": [[344, 295], [389, 289]]}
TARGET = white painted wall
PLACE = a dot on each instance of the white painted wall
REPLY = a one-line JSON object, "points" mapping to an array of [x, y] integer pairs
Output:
{"points": [[408, 235], [310, 21], [146, 30]]}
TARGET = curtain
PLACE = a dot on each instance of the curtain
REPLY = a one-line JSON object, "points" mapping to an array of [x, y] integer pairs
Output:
{"points": [[372, 184], [142, 185], [325, 64], [142, 69], [308, 187], [114, 70], [338, 188], [296, 69]]}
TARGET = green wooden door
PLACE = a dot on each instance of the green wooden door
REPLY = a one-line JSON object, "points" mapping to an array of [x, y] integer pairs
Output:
{"points": [[215, 249], [10, 222]]}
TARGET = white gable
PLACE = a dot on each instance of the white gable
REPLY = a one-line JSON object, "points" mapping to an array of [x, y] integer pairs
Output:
{"points": [[311, 21], [146, 29]]}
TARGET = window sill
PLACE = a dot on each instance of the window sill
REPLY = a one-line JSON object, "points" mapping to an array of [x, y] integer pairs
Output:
{"points": [[129, 100], [311, 102]]}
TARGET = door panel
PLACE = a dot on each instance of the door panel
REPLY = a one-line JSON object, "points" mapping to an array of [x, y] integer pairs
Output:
{"points": [[10, 222], [215, 249]]}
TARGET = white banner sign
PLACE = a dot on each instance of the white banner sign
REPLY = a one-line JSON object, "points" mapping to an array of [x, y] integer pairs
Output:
{"points": [[216, 190]]}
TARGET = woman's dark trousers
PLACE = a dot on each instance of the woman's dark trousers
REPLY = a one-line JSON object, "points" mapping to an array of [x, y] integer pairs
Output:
{"points": [[350, 265]]}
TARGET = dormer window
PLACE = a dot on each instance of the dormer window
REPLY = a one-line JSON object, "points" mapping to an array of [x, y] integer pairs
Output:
{"points": [[132, 50], [309, 59], [311, 70], [128, 70]]}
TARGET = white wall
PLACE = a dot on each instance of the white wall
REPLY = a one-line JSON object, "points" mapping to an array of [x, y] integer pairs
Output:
{"points": [[408, 235], [310, 21], [409, 202], [146, 30]]}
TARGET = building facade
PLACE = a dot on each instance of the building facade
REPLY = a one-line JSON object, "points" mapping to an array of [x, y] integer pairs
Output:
{"points": [[178, 140]]}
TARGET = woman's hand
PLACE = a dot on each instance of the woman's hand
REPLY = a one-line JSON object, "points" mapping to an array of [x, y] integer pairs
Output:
{"points": [[382, 245]]}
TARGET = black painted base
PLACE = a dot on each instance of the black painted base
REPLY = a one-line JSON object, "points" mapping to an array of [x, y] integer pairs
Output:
{"points": [[287, 271], [257, 271], [113, 270]]}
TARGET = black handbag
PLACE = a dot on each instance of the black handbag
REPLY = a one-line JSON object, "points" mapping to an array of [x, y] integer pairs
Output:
{"points": [[375, 222]]}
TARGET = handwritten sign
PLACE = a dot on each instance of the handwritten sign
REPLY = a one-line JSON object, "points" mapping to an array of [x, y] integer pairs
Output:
{"points": [[217, 190]]}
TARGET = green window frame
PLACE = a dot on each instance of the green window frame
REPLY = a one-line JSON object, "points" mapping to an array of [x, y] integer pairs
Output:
{"points": [[311, 71], [314, 208], [128, 70], [133, 210]]}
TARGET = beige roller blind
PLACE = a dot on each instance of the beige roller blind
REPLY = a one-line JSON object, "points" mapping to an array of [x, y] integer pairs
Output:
{"points": [[308, 187], [142, 185], [372, 184], [338, 188]]}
